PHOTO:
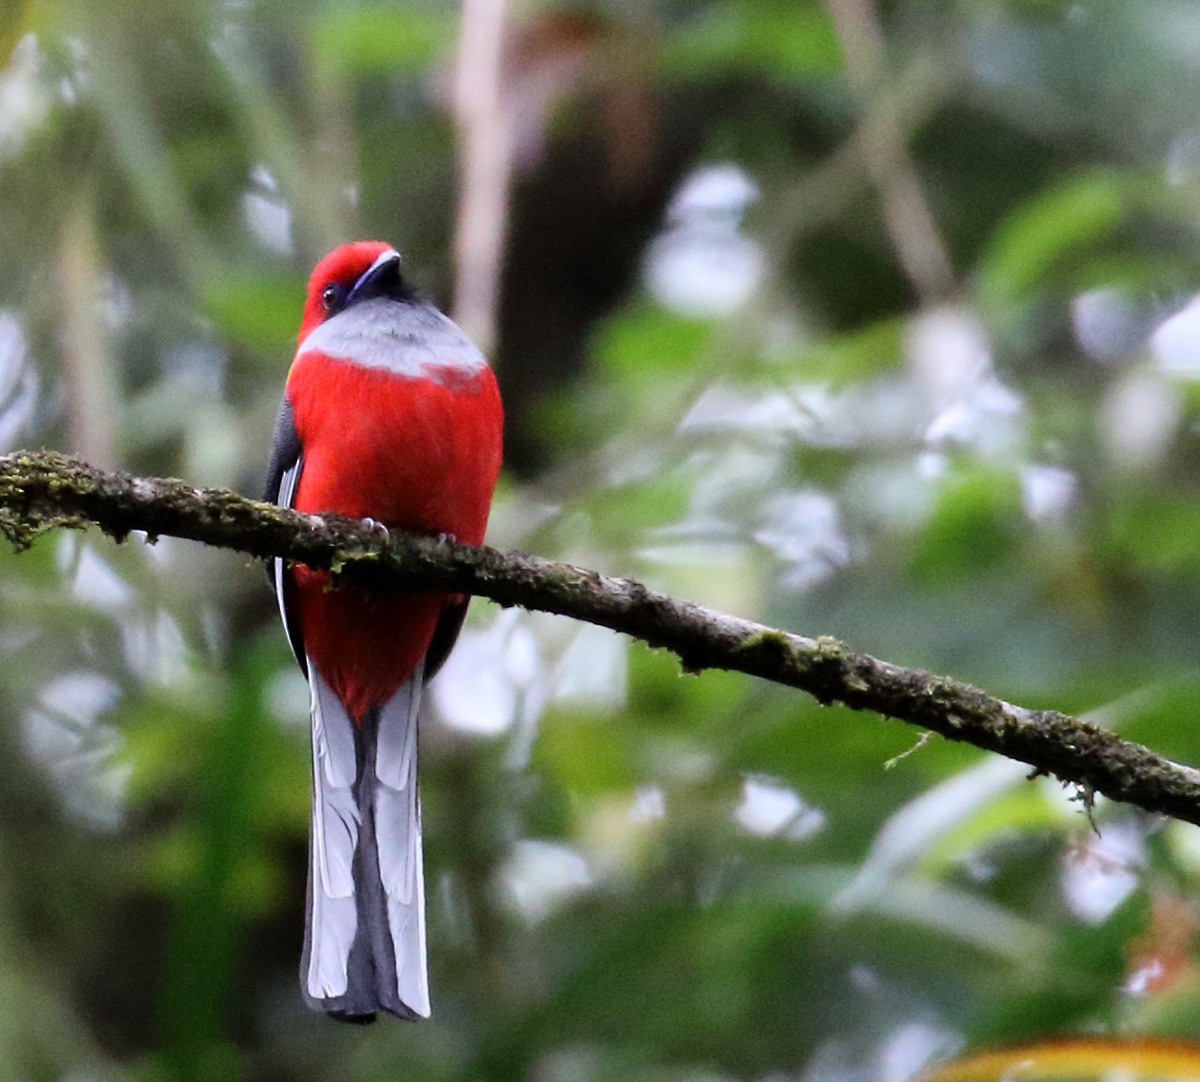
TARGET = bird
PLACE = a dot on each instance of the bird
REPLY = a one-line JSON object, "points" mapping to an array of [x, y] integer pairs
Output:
{"points": [[391, 415]]}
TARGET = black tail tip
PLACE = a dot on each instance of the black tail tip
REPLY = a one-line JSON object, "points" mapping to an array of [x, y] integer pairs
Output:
{"points": [[352, 1019]]}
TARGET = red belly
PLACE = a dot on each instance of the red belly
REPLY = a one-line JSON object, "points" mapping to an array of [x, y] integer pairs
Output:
{"points": [[416, 454]]}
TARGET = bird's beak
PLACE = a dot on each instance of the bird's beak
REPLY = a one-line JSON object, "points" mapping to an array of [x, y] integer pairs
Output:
{"points": [[381, 279]]}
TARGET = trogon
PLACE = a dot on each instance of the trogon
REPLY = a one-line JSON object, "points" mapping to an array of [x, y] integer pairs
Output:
{"points": [[390, 414]]}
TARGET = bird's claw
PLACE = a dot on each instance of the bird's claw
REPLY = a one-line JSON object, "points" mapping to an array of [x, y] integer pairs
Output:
{"points": [[376, 526], [444, 539]]}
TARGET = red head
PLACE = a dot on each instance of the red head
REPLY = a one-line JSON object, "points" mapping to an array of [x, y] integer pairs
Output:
{"points": [[340, 277]]}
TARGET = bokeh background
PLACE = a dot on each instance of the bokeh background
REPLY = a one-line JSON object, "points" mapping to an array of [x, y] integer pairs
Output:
{"points": [[872, 318]]}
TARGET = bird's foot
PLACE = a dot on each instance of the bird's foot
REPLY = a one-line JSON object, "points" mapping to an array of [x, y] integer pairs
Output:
{"points": [[377, 527], [444, 539]]}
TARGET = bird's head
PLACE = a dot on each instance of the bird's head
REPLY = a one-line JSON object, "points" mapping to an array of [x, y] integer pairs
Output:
{"points": [[349, 274]]}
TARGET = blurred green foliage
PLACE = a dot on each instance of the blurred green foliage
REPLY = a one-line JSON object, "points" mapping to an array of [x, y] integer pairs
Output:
{"points": [[726, 375]]}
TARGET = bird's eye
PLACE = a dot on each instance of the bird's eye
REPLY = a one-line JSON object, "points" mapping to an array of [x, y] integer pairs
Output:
{"points": [[333, 296]]}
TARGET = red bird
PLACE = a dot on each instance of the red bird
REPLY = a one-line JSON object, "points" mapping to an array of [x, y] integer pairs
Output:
{"points": [[389, 414]]}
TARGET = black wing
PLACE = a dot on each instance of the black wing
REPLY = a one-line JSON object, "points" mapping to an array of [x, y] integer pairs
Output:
{"points": [[283, 478], [448, 626], [286, 452]]}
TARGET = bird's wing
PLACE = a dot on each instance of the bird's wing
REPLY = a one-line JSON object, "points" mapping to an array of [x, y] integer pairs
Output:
{"points": [[283, 479], [444, 635]]}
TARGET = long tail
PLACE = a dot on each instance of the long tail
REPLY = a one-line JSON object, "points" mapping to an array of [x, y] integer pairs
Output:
{"points": [[364, 943]]}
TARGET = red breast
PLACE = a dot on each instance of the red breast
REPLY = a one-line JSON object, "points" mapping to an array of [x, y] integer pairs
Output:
{"points": [[415, 447]]}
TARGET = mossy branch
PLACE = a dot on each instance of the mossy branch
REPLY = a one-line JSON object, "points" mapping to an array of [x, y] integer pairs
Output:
{"points": [[44, 490]]}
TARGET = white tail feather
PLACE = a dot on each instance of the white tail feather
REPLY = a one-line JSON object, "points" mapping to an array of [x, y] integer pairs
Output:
{"points": [[398, 835], [407, 922], [334, 732], [333, 912], [332, 930], [396, 750]]}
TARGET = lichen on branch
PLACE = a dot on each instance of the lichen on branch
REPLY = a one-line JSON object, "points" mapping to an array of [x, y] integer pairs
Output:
{"points": [[44, 490]]}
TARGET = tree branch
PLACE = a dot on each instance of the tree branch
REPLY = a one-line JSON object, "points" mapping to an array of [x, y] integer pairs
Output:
{"points": [[43, 490]]}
